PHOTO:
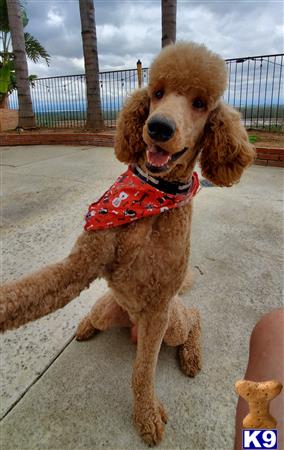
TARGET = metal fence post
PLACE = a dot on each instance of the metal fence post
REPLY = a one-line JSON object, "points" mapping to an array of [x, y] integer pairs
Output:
{"points": [[139, 72]]}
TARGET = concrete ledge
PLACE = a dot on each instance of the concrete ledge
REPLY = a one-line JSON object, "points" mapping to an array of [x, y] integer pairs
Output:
{"points": [[36, 138], [9, 119], [269, 156], [266, 156]]}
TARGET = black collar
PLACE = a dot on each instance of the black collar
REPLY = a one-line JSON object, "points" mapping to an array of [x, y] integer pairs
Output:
{"points": [[169, 187]]}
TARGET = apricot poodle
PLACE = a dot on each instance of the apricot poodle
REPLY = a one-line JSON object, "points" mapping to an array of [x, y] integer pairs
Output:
{"points": [[161, 133]]}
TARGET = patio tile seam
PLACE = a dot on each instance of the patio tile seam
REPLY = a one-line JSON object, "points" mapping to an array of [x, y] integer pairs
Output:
{"points": [[36, 379], [46, 159], [30, 175]]}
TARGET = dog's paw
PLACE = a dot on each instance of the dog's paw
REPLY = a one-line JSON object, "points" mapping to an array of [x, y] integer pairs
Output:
{"points": [[190, 352], [85, 330], [190, 362], [149, 421]]}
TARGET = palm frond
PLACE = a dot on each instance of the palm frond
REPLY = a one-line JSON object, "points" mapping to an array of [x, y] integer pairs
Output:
{"points": [[35, 50]]}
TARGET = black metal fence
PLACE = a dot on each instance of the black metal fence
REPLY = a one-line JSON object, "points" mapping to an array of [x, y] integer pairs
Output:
{"points": [[255, 87]]}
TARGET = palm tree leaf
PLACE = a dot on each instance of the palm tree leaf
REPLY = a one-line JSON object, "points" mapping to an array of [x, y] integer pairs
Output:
{"points": [[35, 50], [5, 77]]}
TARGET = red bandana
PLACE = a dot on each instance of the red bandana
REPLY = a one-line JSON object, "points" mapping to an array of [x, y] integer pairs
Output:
{"points": [[135, 195]]}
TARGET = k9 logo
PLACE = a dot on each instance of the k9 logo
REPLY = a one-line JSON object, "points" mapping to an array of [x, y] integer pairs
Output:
{"points": [[259, 439]]}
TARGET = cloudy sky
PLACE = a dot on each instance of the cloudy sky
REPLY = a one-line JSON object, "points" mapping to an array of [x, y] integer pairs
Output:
{"points": [[128, 30]]}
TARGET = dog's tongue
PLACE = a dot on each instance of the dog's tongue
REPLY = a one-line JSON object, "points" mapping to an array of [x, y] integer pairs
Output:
{"points": [[156, 156]]}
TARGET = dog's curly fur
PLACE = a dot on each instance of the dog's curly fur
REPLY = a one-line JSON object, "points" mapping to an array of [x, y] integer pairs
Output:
{"points": [[145, 262]]}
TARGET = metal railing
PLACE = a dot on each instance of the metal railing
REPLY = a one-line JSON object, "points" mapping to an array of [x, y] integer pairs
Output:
{"points": [[255, 87]]}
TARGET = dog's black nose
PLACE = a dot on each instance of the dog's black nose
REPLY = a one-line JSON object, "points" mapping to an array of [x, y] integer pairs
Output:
{"points": [[160, 128]]}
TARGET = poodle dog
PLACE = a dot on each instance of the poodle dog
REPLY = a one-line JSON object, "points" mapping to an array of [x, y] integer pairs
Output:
{"points": [[161, 133]]}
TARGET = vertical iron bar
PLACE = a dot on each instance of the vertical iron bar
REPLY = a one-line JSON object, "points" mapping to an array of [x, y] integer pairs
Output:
{"points": [[64, 116], [78, 117], [59, 110], [68, 106], [102, 94], [74, 102], [54, 106], [45, 99], [34, 102], [118, 90], [82, 102], [42, 106], [252, 97], [229, 82], [56, 103], [265, 92], [259, 89], [279, 90], [113, 98], [272, 91], [241, 86], [246, 107], [105, 95], [235, 82], [74, 108], [109, 94], [53, 103], [118, 95], [68, 101], [74, 112]]}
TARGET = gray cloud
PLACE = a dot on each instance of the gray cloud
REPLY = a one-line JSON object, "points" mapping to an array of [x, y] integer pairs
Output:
{"points": [[128, 30]]}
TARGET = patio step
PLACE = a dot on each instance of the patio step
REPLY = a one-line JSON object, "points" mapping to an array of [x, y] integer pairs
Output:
{"points": [[104, 139], [266, 156]]}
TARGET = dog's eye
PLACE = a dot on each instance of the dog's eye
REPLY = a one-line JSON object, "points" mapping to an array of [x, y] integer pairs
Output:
{"points": [[159, 94], [198, 103]]}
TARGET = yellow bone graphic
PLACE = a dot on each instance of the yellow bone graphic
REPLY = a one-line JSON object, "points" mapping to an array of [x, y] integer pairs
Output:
{"points": [[258, 395]]}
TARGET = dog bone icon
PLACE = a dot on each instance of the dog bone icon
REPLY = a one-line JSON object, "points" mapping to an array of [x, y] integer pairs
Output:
{"points": [[122, 196], [258, 395]]}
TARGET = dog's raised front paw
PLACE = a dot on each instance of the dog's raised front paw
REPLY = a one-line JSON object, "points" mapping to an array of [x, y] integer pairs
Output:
{"points": [[149, 421], [85, 330]]}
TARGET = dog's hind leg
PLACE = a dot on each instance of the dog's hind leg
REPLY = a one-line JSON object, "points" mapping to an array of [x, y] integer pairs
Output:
{"points": [[56, 285], [184, 331], [106, 313]]}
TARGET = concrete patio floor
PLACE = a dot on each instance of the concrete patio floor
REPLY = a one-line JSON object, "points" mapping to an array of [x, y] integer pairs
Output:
{"points": [[59, 394]]}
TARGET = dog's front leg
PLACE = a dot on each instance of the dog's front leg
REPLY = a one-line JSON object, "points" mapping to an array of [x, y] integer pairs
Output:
{"points": [[56, 285], [149, 414]]}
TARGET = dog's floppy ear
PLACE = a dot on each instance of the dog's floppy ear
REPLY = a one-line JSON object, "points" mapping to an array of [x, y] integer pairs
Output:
{"points": [[128, 141], [226, 151]]}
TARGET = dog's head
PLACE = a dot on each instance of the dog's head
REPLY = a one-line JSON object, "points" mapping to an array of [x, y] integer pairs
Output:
{"points": [[165, 127]]}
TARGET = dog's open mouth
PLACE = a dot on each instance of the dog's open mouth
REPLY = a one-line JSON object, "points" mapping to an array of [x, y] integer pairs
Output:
{"points": [[158, 160]]}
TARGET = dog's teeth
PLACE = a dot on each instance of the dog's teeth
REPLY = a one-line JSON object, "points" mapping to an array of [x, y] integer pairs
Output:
{"points": [[157, 157]]}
